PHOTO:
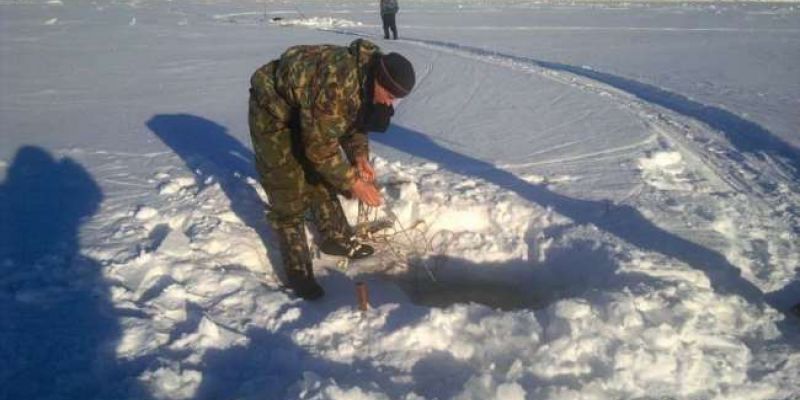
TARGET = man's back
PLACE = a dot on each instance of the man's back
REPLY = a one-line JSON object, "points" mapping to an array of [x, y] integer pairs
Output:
{"points": [[324, 76], [305, 72], [389, 6]]}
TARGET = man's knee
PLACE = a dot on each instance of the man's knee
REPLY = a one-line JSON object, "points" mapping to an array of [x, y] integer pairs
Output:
{"points": [[279, 219], [286, 191]]}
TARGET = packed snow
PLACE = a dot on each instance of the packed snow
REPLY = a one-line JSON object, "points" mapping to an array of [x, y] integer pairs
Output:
{"points": [[591, 201]]}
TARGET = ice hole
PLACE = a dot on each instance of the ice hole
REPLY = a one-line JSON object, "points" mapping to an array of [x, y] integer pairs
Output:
{"points": [[442, 294], [570, 271]]}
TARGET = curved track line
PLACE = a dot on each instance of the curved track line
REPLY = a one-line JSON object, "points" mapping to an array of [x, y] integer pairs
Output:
{"points": [[693, 127], [594, 28]]}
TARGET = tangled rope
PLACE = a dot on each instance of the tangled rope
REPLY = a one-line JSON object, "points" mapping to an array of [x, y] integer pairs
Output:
{"points": [[406, 247]]}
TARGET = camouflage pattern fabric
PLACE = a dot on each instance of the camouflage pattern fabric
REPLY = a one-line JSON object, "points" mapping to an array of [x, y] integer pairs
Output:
{"points": [[294, 252], [329, 219], [303, 110]]}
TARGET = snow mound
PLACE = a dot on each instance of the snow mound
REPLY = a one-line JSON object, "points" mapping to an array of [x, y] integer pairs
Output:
{"points": [[318, 22]]}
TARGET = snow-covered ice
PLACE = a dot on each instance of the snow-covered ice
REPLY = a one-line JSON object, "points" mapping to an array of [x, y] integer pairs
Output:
{"points": [[594, 201]]}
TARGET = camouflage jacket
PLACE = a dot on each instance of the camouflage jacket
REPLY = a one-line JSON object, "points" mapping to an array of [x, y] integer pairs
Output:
{"points": [[325, 83]]}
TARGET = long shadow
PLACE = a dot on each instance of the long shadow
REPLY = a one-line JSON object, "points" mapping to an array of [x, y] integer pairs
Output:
{"points": [[212, 154], [58, 329], [623, 221], [747, 136]]}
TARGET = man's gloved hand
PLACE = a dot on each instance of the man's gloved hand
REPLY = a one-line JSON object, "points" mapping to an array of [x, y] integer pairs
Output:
{"points": [[367, 193]]}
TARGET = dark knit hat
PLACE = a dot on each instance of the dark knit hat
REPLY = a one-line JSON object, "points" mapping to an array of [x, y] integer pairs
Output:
{"points": [[396, 74]]}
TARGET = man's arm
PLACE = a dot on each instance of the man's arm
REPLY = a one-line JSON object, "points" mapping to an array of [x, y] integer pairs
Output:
{"points": [[355, 145], [326, 119], [321, 133], [323, 150]]}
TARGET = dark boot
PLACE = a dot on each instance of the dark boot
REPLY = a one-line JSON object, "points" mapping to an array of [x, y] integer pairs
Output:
{"points": [[351, 248], [338, 238], [297, 262]]}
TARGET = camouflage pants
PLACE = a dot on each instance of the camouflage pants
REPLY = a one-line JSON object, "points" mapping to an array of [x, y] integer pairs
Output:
{"points": [[291, 183]]}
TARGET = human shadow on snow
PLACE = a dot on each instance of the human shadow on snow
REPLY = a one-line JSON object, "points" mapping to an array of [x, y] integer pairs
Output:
{"points": [[623, 221], [58, 329], [213, 155]]}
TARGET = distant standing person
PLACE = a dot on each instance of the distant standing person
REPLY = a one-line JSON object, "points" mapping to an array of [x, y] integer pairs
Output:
{"points": [[389, 9]]}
